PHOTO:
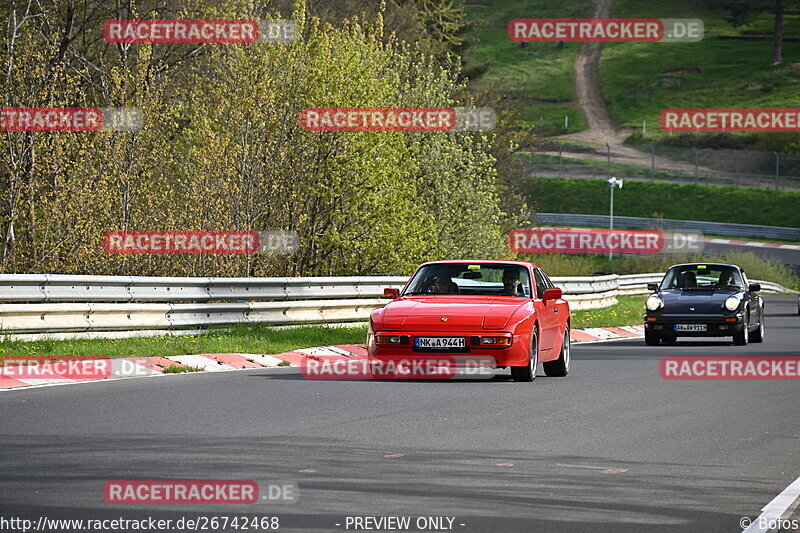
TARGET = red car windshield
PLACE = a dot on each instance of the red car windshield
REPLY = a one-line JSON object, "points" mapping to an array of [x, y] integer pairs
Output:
{"points": [[487, 279]]}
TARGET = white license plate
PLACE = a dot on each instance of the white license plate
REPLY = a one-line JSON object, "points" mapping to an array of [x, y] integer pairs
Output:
{"points": [[441, 342], [691, 327]]}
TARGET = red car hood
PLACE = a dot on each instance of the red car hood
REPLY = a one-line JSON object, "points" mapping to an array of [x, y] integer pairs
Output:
{"points": [[463, 313]]}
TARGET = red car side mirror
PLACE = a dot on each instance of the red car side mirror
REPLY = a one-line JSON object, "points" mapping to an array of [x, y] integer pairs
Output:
{"points": [[391, 293], [552, 294]]}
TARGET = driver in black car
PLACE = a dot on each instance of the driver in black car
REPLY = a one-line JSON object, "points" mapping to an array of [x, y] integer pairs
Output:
{"points": [[511, 283], [725, 278]]}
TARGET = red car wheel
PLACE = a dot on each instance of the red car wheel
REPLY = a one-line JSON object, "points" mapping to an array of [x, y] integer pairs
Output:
{"points": [[528, 372]]}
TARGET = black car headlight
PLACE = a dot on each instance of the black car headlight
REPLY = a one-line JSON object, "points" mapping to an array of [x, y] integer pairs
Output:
{"points": [[654, 303], [732, 303]]}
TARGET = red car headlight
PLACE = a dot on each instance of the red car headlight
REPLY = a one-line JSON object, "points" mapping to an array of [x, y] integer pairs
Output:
{"points": [[498, 341], [393, 339]]}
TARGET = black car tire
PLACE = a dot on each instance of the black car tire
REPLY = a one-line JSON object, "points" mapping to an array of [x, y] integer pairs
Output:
{"points": [[741, 337], [650, 338], [758, 335], [669, 338], [528, 372], [560, 367]]}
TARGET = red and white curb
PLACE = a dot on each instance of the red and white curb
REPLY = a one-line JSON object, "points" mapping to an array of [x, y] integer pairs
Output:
{"points": [[606, 334], [755, 244], [134, 367], [24, 376]]}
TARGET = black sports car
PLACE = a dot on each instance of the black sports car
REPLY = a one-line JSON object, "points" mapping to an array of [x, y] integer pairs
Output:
{"points": [[704, 300]]}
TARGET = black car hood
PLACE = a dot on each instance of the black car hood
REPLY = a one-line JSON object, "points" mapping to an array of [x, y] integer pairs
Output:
{"points": [[705, 301]]}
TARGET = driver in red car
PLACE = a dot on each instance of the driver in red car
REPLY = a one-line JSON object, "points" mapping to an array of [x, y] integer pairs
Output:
{"points": [[511, 283], [444, 285]]}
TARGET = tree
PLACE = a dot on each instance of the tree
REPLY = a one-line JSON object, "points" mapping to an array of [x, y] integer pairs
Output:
{"points": [[741, 12]]}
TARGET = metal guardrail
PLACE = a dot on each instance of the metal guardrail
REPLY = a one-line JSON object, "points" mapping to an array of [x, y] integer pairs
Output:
{"points": [[709, 228], [60, 303], [75, 288]]}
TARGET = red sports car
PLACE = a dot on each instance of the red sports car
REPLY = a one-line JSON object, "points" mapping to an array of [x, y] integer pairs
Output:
{"points": [[506, 310]]}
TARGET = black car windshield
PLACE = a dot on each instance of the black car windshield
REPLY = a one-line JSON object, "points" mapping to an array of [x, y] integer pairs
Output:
{"points": [[489, 279], [701, 276]]}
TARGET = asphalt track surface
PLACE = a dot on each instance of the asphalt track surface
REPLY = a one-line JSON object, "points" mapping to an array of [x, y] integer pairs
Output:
{"points": [[612, 447]]}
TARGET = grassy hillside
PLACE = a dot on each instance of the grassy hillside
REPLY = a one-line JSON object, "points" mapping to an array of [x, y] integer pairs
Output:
{"points": [[638, 79], [641, 79], [667, 200], [537, 79]]}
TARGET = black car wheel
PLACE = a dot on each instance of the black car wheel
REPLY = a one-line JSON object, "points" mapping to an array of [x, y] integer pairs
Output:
{"points": [[740, 338], [560, 367], [758, 335], [650, 338], [528, 373]]}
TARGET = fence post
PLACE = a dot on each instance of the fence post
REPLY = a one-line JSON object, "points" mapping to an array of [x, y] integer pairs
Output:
{"points": [[652, 162], [608, 159], [738, 165], [777, 170]]}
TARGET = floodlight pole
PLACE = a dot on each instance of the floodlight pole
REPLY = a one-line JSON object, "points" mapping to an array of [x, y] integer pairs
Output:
{"points": [[612, 182]]}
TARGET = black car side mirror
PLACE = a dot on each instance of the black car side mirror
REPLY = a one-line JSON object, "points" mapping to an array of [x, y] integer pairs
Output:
{"points": [[653, 287], [754, 287]]}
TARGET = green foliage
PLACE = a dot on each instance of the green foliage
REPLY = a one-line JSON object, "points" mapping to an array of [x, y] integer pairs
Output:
{"points": [[221, 149]]}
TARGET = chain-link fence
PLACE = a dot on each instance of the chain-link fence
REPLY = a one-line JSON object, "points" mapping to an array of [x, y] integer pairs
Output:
{"points": [[747, 168]]}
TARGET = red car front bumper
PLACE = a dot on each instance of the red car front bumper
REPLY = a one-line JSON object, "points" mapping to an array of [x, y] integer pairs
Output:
{"points": [[514, 354]]}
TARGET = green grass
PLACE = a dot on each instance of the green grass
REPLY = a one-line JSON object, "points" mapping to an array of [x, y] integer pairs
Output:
{"points": [[641, 79], [240, 339], [537, 80], [177, 369], [638, 79], [710, 203], [627, 312]]}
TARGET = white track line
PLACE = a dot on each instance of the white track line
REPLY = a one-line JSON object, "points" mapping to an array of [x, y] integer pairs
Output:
{"points": [[775, 509]]}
